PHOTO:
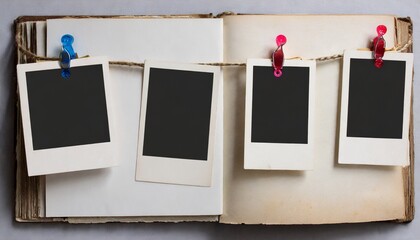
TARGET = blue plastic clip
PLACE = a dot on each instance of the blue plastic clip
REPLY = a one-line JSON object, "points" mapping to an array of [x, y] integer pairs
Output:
{"points": [[66, 55]]}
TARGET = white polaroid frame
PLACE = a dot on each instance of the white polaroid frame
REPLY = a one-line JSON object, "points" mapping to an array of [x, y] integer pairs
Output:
{"points": [[177, 170], [69, 158], [279, 156], [375, 151]]}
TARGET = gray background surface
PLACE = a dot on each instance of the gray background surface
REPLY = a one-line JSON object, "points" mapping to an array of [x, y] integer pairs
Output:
{"points": [[9, 229]]}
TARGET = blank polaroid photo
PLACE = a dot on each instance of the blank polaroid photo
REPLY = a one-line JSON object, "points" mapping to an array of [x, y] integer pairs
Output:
{"points": [[177, 123], [67, 123], [375, 109], [279, 114]]}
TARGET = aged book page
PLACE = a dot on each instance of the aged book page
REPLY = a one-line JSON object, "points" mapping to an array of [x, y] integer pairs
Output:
{"points": [[114, 192], [30, 192], [330, 193]]}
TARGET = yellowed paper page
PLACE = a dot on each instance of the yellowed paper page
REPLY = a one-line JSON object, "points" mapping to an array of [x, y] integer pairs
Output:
{"points": [[330, 193]]}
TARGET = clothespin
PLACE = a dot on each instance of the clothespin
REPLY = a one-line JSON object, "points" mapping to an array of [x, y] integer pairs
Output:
{"points": [[66, 55], [278, 56], [378, 46]]}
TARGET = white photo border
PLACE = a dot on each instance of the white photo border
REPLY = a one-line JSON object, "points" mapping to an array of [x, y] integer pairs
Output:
{"points": [[276, 156], [162, 169], [375, 151], [69, 158]]}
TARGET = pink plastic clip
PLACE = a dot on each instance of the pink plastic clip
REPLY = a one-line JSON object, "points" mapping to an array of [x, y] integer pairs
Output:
{"points": [[278, 56], [378, 46]]}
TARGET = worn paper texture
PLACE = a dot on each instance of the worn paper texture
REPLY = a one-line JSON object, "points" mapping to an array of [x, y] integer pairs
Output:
{"points": [[331, 193], [114, 192]]}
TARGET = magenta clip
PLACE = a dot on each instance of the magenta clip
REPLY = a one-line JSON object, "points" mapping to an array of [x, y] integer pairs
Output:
{"points": [[378, 46], [277, 57]]}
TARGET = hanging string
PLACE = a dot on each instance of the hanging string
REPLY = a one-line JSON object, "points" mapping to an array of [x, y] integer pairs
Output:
{"points": [[33, 56]]}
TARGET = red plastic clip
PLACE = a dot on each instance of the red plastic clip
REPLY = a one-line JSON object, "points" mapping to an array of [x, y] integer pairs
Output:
{"points": [[278, 56], [378, 46]]}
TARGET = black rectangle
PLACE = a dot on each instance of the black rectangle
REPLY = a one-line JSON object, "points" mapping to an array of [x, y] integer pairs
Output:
{"points": [[376, 99], [178, 114], [280, 105], [67, 112]]}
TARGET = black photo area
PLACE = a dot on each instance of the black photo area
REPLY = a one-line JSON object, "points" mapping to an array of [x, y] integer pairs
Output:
{"points": [[178, 114], [67, 112], [376, 99], [280, 105]]}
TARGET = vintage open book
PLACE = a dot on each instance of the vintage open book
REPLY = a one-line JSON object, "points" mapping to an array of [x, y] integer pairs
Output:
{"points": [[330, 193]]}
